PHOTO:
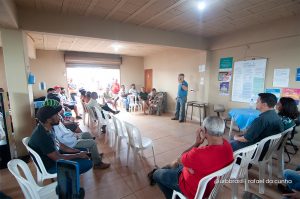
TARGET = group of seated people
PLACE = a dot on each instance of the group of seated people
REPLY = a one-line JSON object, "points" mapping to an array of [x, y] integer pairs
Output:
{"points": [[184, 174], [52, 140], [146, 99]]}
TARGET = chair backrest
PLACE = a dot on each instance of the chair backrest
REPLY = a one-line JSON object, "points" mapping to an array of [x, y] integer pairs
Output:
{"points": [[219, 108], [244, 157], [134, 135], [285, 135], [220, 175], [26, 181], [103, 121], [131, 99], [273, 144], [40, 167], [121, 132]]}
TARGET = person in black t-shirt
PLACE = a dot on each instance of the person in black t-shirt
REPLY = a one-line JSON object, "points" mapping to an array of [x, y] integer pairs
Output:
{"points": [[43, 142]]}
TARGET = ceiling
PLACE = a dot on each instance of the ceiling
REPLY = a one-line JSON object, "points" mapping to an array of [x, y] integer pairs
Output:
{"points": [[219, 17], [46, 41]]}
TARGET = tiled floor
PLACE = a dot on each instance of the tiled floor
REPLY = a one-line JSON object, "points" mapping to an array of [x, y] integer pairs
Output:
{"points": [[119, 181]]}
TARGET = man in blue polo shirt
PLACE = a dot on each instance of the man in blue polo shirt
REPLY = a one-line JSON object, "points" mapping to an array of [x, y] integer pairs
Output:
{"points": [[181, 98]]}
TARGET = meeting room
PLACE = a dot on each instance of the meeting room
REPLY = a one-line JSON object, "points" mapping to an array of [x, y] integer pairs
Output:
{"points": [[115, 99]]}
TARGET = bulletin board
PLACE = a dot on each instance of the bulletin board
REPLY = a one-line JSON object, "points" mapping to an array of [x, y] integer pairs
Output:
{"points": [[248, 79]]}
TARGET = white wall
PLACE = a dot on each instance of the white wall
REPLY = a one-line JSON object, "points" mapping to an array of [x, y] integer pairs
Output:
{"points": [[132, 71], [2, 72], [49, 66], [167, 65], [279, 42]]}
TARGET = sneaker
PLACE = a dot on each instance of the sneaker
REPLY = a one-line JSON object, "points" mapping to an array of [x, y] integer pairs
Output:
{"points": [[174, 118], [180, 121], [102, 165], [284, 189], [116, 112], [78, 117]]}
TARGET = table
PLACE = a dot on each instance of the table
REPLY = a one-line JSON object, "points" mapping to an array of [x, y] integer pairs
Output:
{"points": [[242, 117], [199, 105]]}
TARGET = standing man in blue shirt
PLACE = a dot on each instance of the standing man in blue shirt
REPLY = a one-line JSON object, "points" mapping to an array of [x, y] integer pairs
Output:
{"points": [[181, 98]]}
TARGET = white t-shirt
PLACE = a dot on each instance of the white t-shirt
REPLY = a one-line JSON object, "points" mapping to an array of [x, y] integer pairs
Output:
{"points": [[65, 136]]}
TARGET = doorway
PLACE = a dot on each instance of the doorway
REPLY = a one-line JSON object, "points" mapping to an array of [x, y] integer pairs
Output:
{"points": [[148, 80], [94, 79]]}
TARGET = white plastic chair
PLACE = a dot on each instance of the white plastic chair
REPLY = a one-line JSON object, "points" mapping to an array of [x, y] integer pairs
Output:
{"points": [[85, 112], [120, 133], [280, 150], [267, 159], [134, 103], [220, 175], [109, 129], [41, 171], [240, 171], [27, 183], [137, 142]]}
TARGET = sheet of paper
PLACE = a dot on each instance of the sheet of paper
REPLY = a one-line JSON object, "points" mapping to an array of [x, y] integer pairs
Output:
{"points": [[248, 79], [281, 77]]}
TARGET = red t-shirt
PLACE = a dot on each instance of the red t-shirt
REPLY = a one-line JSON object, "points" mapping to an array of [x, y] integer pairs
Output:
{"points": [[200, 162], [115, 88]]}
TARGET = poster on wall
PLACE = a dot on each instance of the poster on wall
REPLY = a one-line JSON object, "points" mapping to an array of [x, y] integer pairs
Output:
{"points": [[274, 91], [226, 63], [225, 76], [202, 68], [298, 75], [281, 77], [224, 88], [248, 79], [291, 92]]}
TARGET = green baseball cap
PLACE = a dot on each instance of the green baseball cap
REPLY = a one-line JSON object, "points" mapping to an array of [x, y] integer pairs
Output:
{"points": [[52, 103]]}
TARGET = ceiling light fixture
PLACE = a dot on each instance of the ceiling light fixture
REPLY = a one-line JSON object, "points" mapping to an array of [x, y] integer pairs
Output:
{"points": [[116, 47], [201, 5]]}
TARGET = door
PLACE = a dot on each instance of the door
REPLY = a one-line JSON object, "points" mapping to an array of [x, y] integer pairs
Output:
{"points": [[148, 80]]}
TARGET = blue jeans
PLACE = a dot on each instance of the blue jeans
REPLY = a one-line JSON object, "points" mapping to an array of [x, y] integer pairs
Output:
{"points": [[84, 166], [294, 176], [180, 108], [236, 145], [167, 180]]}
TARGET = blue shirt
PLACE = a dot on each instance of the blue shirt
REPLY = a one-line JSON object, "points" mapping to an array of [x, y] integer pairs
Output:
{"points": [[268, 123], [181, 92]]}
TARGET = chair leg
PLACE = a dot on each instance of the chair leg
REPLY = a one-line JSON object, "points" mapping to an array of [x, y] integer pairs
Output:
{"points": [[269, 165], [234, 191], [135, 161], [246, 180], [128, 150], [262, 170], [230, 129], [154, 157], [280, 155]]}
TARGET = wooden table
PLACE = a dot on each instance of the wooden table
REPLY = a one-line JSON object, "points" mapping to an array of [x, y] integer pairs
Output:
{"points": [[199, 105]]}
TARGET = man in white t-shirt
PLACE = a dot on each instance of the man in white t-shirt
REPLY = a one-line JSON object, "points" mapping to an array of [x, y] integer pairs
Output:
{"points": [[80, 140]]}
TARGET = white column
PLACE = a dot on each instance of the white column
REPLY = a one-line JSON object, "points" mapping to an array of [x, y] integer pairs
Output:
{"points": [[16, 64]]}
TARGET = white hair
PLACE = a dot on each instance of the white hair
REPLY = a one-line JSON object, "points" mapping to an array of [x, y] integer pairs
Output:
{"points": [[214, 125]]}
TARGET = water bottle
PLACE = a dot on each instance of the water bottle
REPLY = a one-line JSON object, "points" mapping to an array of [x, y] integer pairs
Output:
{"points": [[252, 104]]}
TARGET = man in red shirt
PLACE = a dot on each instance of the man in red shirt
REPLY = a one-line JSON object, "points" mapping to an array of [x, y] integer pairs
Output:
{"points": [[197, 161]]}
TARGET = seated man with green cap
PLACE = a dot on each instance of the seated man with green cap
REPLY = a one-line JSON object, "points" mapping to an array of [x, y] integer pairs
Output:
{"points": [[43, 142]]}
